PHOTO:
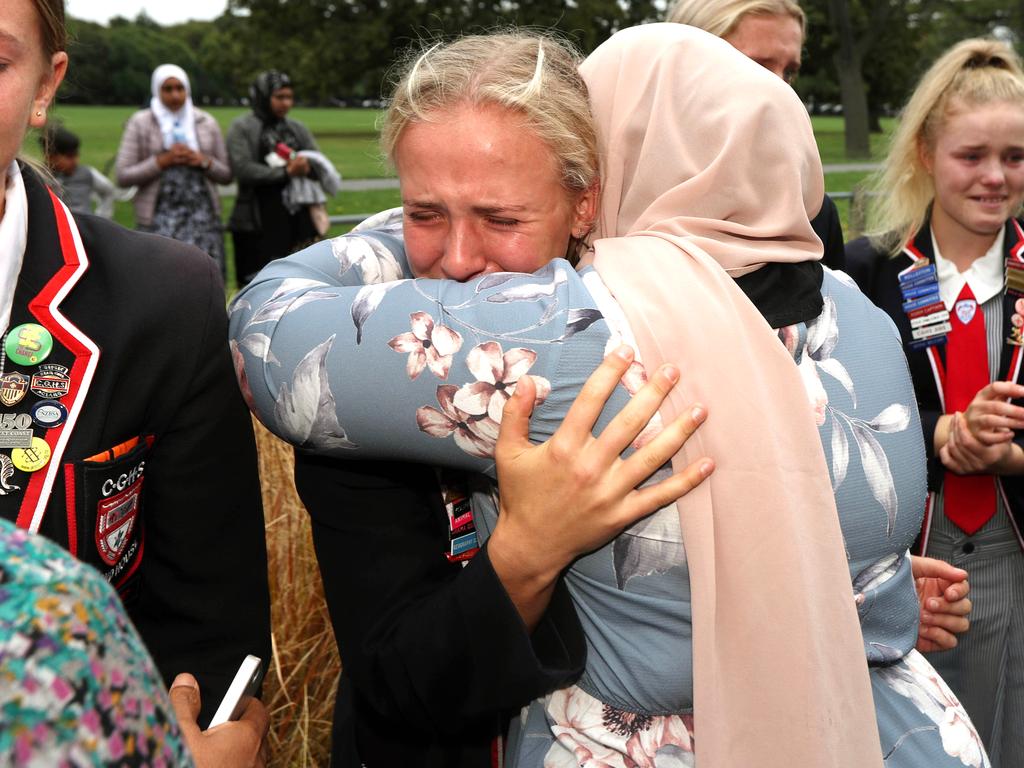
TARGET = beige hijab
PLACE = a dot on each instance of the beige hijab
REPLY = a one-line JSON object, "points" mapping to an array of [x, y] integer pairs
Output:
{"points": [[710, 170]]}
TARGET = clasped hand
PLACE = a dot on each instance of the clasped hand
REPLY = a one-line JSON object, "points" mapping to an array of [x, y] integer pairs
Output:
{"points": [[297, 166], [942, 591], [180, 154], [980, 440]]}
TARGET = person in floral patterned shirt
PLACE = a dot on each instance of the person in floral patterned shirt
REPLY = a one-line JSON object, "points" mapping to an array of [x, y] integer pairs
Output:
{"points": [[77, 685]]}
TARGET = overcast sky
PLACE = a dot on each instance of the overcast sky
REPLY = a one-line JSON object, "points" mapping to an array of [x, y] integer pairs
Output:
{"points": [[161, 11]]}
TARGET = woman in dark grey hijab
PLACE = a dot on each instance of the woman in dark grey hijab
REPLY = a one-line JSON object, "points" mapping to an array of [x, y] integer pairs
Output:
{"points": [[263, 147]]}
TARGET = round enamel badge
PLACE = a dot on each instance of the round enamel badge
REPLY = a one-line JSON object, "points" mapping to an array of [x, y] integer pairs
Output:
{"points": [[32, 458], [28, 344], [49, 414]]}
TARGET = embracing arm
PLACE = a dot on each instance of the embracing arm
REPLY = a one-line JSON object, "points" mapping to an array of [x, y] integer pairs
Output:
{"points": [[413, 370], [548, 519], [408, 622]]}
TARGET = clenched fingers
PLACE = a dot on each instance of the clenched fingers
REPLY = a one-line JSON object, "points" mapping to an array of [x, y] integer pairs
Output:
{"points": [[936, 607], [994, 415], [954, 624], [1001, 390]]}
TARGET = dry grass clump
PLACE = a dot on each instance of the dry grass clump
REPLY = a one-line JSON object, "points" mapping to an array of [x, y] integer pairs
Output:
{"points": [[303, 674]]}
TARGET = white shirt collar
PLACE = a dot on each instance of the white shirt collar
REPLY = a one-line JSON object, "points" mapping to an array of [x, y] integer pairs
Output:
{"points": [[985, 276], [13, 239]]}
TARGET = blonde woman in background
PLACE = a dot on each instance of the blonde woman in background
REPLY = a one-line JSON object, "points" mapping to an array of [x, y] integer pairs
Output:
{"points": [[944, 262], [771, 32]]}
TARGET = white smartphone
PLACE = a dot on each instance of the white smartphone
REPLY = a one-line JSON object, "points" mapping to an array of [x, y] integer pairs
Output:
{"points": [[242, 689]]}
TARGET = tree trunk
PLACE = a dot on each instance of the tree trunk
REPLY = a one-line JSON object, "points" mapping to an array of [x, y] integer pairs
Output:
{"points": [[874, 121], [849, 63]]}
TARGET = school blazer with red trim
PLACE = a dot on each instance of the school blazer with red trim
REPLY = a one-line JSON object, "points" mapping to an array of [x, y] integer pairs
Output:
{"points": [[877, 275], [173, 517]]}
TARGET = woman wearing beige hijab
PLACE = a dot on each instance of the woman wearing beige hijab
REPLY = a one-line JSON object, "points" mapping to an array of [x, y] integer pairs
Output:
{"points": [[722, 630]]}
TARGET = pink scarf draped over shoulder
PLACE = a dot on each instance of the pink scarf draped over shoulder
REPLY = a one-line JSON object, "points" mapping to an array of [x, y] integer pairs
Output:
{"points": [[710, 170]]}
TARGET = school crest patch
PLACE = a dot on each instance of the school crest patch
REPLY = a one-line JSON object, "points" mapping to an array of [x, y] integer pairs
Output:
{"points": [[13, 387], [965, 309], [115, 519]]}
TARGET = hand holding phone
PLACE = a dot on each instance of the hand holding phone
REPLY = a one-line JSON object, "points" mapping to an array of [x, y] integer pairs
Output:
{"points": [[242, 689]]}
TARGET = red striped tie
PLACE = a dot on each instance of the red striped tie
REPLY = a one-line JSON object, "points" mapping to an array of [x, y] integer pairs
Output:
{"points": [[969, 500]]}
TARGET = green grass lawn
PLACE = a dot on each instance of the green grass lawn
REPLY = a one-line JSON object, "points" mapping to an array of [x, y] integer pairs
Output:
{"points": [[829, 133], [349, 138]]}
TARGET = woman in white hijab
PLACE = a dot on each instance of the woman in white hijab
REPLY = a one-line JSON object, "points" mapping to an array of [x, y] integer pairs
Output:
{"points": [[175, 155]]}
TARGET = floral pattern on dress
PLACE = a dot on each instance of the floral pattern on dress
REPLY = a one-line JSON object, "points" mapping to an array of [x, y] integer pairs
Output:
{"points": [[389, 221], [876, 574], [592, 734], [541, 312], [816, 358], [495, 288], [916, 679], [428, 346], [497, 374], [185, 211], [375, 263], [476, 435], [306, 409], [77, 686], [472, 412]]}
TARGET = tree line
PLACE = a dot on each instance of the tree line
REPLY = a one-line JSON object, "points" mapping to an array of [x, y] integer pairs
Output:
{"points": [[863, 54]]}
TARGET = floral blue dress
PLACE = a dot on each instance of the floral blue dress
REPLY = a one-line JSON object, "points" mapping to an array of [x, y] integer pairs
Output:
{"points": [[77, 686], [339, 352]]}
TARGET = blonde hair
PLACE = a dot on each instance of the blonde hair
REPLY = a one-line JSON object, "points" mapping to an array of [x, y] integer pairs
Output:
{"points": [[532, 74], [972, 73], [720, 17]]}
